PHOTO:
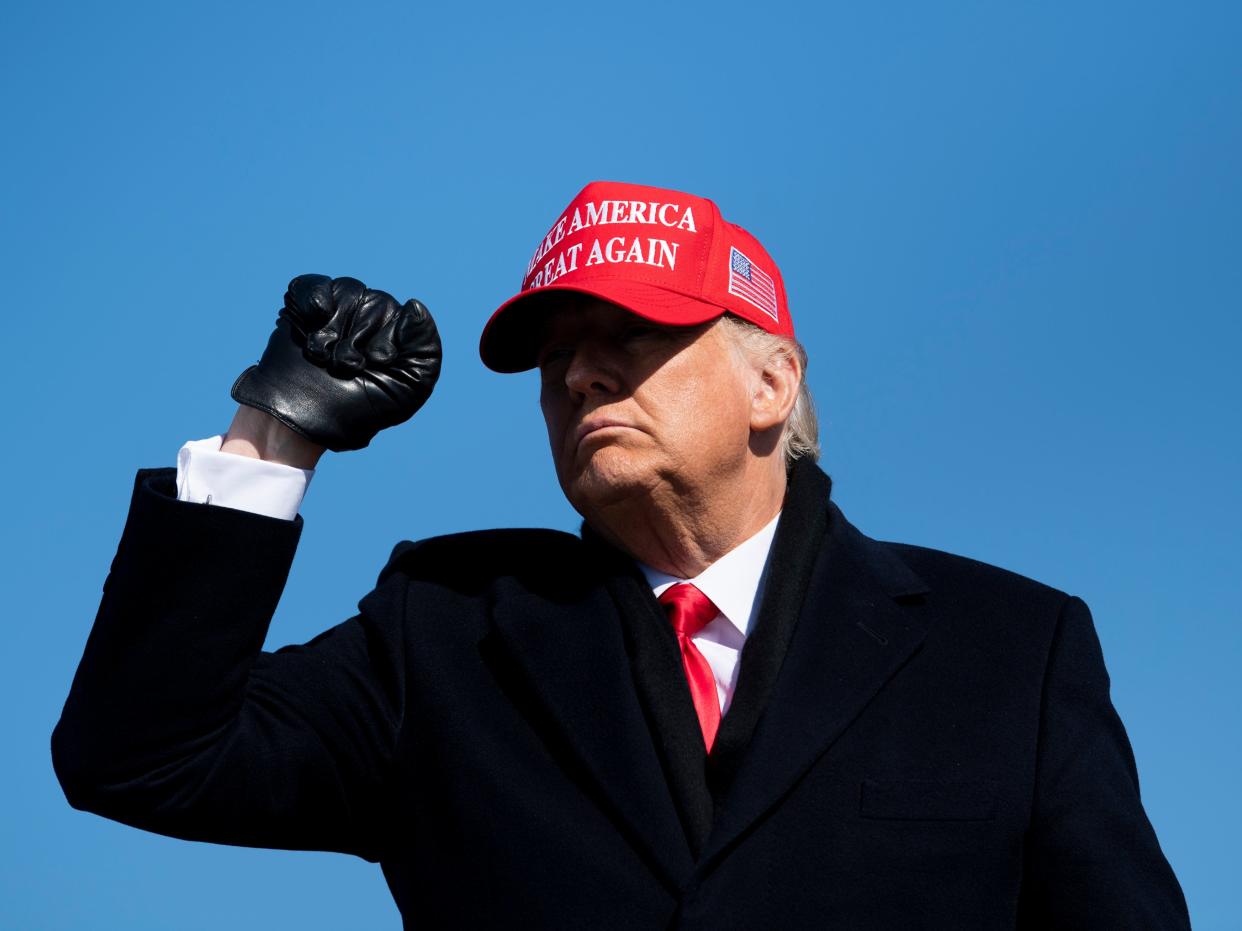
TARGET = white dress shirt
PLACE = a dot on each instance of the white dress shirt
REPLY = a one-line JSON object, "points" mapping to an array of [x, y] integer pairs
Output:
{"points": [[207, 476], [734, 582]]}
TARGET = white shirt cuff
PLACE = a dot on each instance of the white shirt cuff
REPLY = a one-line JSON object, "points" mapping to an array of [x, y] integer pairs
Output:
{"points": [[207, 476]]}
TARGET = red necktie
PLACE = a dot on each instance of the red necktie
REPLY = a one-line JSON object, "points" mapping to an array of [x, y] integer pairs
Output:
{"points": [[689, 610]]}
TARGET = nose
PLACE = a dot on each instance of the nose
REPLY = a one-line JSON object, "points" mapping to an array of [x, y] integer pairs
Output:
{"points": [[590, 372]]}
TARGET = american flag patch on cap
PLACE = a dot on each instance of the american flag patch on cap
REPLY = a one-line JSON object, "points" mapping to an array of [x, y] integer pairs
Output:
{"points": [[751, 284]]}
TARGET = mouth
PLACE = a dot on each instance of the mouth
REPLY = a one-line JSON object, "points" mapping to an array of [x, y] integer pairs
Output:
{"points": [[597, 426]]}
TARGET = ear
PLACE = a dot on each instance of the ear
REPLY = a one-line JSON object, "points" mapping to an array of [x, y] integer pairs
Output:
{"points": [[776, 390]]}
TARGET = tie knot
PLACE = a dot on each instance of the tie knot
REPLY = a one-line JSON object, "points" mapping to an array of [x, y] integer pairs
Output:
{"points": [[688, 608]]}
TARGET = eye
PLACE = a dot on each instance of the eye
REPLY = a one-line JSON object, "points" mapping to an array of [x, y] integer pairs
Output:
{"points": [[639, 331], [552, 355]]}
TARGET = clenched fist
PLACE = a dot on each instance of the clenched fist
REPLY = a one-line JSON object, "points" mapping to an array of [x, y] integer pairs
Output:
{"points": [[344, 362]]}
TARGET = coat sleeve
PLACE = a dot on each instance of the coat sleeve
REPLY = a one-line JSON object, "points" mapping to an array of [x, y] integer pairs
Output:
{"points": [[178, 722], [1091, 859]]}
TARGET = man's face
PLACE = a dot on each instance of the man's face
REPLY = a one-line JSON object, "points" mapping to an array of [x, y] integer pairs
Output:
{"points": [[639, 408]]}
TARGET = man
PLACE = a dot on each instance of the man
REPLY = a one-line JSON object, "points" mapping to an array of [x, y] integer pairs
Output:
{"points": [[722, 706]]}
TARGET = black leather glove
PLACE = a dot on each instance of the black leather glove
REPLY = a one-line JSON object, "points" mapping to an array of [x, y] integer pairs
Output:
{"points": [[344, 362]]}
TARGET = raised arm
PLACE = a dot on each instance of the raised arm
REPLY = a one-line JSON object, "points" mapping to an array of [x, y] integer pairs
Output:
{"points": [[177, 721]]}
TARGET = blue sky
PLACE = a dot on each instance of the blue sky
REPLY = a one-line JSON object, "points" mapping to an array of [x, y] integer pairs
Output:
{"points": [[1009, 232]]}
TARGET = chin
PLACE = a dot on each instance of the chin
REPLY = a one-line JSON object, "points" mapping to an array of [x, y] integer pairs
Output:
{"points": [[608, 476]]}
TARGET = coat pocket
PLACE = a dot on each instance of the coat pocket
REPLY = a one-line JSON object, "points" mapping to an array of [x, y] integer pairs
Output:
{"points": [[928, 799]]}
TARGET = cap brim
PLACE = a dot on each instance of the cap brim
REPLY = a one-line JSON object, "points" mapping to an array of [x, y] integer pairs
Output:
{"points": [[510, 340]]}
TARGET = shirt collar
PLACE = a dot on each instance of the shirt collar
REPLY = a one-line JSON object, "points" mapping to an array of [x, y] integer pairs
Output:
{"points": [[733, 582]]}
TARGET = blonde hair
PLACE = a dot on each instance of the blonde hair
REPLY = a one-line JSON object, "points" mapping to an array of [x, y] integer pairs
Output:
{"points": [[800, 438]]}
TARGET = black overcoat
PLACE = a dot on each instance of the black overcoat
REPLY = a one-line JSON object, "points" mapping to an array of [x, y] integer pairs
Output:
{"points": [[918, 740]]}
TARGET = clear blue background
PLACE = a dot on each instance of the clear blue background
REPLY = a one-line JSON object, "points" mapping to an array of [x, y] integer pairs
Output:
{"points": [[1010, 234]]}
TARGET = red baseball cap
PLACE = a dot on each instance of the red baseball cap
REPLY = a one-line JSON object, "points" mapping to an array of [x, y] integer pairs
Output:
{"points": [[664, 255]]}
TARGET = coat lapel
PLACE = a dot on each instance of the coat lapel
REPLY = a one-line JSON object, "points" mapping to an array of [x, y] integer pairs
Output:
{"points": [[850, 636], [656, 666], [830, 633], [791, 561], [572, 658]]}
